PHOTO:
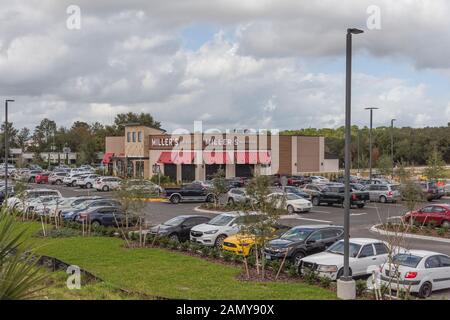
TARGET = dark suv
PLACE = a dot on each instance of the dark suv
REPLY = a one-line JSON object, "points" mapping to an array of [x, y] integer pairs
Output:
{"points": [[301, 241], [103, 216], [178, 228]]}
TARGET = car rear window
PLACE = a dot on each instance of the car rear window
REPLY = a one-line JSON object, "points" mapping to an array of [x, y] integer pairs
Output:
{"points": [[407, 260]]}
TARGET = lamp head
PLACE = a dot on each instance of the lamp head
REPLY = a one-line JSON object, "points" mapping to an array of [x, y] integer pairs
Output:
{"points": [[354, 31]]}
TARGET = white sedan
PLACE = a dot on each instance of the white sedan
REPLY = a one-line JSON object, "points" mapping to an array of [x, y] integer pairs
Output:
{"points": [[292, 202], [417, 271], [364, 253]]}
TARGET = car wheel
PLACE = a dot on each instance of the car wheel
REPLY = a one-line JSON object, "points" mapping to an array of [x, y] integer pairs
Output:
{"points": [[175, 199], [360, 206], [290, 209], [95, 224], [88, 185], [231, 201], [425, 290], [174, 237], [446, 224], [341, 273], [210, 198], [383, 199], [105, 188], [219, 241], [315, 201], [58, 182], [296, 257]]}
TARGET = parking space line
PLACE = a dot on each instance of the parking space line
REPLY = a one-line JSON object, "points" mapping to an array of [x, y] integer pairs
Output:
{"points": [[358, 214], [318, 211], [315, 220]]}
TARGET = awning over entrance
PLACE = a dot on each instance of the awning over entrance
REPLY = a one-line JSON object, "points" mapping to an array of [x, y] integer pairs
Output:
{"points": [[176, 157], [264, 157], [216, 157], [107, 157]]}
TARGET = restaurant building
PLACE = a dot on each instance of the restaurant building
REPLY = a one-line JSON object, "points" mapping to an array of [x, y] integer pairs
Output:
{"points": [[144, 152]]}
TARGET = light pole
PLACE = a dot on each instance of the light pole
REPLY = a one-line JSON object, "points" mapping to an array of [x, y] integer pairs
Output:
{"points": [[6, 147], [370, 143], [346, 288], [392, 146]]}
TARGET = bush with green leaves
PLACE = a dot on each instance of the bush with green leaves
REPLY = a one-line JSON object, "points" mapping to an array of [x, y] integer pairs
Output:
{"points": [[361, 287], [184, 246], [215, 253], [205, 251], [173, 244], [310, 277], [441, 232], [227, 256], [60, 233], [325, 282]]}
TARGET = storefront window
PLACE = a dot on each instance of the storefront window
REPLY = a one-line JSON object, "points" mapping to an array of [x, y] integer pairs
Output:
{"points": [[140, 136], [128, 136], [134, 136], [139, 169]]}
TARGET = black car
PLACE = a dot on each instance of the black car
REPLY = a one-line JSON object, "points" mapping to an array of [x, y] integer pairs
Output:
{"points": [[178, 228], [301, 241], [297, 191], [103, 216]]}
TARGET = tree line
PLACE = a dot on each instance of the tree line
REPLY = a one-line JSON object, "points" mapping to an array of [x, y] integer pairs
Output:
{"points": [[412, 146], [87, 139]]}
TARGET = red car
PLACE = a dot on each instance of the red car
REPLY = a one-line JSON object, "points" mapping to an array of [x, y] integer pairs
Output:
{"points": [[42, 178], [439, 214]]}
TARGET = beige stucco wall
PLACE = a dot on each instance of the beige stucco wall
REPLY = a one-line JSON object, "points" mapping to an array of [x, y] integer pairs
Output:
{"points": [[115, 145], [308, 154], [330, 165]]}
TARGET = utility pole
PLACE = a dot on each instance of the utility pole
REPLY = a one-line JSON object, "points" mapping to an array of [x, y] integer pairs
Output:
{"points": [[370, 143], [392, 146], [6, 147]]}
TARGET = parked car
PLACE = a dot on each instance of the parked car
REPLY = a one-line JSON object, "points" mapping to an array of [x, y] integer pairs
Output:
{"points": [[188, 192], [179, 228], [291, 202], [143, 187], [318, 179], [243, 243], [71, 179], [68, 204], [334, 194], [358, 187], [313, 189], [237, 195], [384, 192], [41, 205], [11, 192], [42, 178], [429, 190], [214, 232], [438, 214], [363, 254], [87, 181], [107, 183], [102, 216], [417, 271], [30, 176], [72, 213], [297, 191], [301, 241], [57, 177], [298, 181], [29, 195]]}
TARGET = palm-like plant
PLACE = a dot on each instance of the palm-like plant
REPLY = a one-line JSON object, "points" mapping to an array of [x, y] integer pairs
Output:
{"points": [[20, 278]]}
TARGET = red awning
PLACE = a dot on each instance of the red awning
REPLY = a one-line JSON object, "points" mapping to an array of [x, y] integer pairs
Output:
{"points": [[166, 157], [264, 157], [107, 157], [184, 157], [216, 157], [246, 157]]}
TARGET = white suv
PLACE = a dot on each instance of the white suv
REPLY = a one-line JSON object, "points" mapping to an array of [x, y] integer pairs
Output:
{"points": [[87, 181], [107, 183], [71, 179], [22, 202], [214, 232]]}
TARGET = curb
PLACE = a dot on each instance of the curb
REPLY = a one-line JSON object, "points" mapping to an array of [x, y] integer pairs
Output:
{"points": [[408, 235]]}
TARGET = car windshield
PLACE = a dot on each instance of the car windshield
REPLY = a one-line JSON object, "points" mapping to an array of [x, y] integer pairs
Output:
{"points": [[221, 220], [292, 196], [407, 260], [338, 248], [174, 222], [297, 234]]}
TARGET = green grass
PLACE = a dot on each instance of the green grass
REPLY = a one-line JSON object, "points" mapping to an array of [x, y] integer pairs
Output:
{"points": [[162, 273]]}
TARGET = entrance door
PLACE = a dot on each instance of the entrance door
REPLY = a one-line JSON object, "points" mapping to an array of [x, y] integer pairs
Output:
{"points": [[170, 170], [244, 170], [211, 170], [187, 172]]}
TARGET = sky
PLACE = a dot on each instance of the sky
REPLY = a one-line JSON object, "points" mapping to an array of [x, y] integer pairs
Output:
{"points": [[232, 64]]}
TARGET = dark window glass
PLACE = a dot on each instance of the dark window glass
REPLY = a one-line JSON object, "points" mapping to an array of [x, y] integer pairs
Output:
{"points": [[367, 251], [445, 261], [381, 248], [432, 262]]}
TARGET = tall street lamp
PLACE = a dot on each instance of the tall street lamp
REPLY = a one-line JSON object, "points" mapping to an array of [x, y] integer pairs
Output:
{"points": [[6, 147], [370, 143], [392, 146], [346, 288]]}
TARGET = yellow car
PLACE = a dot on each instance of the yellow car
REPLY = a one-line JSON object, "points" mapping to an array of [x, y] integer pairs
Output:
{"points": [[242, 244]]}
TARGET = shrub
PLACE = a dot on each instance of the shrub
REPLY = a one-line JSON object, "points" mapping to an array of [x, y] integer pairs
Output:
{"points": [[361, 287], [227, 256], [432, 224], [292, 270], [194, 247], [215, 253], [172, 244], [205, 251], [163, 242], [310, 277], [325, 282], [441, 232], [60, 233], [275, 265], [184, 246], [237, 258], [251, 260]]}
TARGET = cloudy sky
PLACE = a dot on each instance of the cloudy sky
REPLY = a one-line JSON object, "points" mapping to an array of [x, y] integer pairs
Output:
{"points": [[231, 63]]}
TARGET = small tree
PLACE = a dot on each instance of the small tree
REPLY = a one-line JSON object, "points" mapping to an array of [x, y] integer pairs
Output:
{"points": [[219, 186], [435, 166], [263, 230], [384, 165], [133, 205]]}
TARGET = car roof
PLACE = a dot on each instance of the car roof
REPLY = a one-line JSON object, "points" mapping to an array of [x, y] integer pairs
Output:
{"points": [[191, 216], [423, 253], [363, 241]]}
